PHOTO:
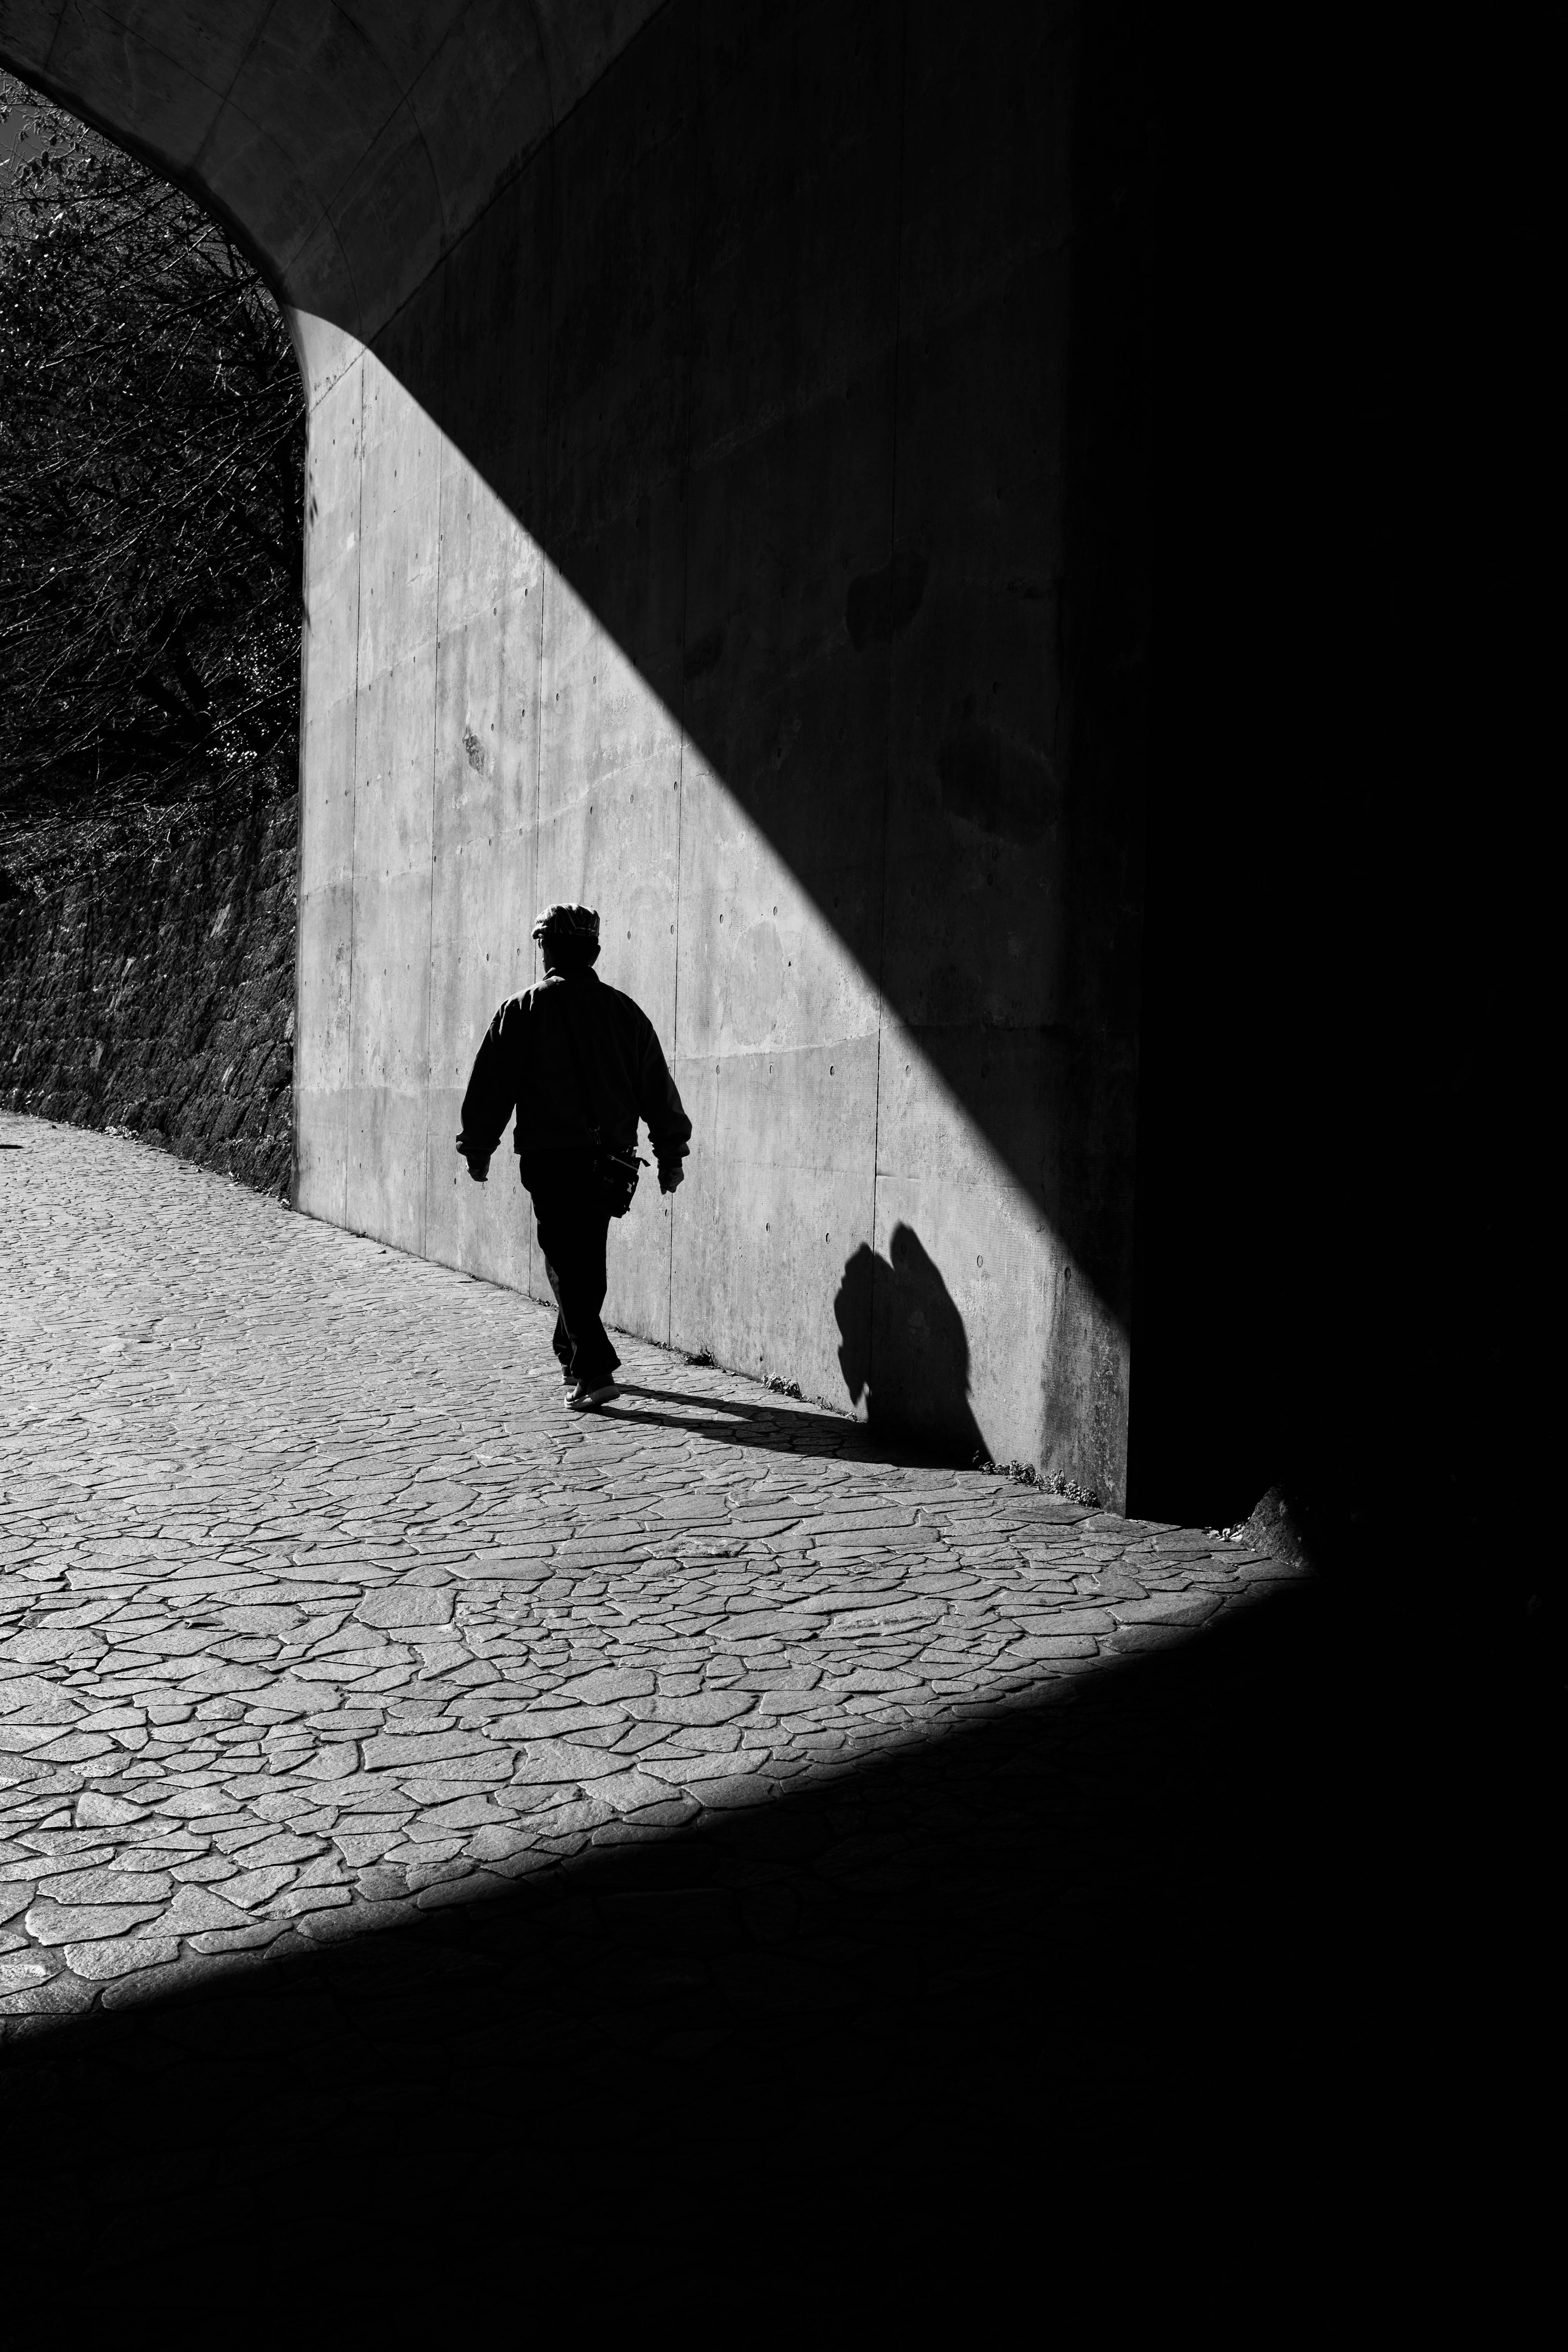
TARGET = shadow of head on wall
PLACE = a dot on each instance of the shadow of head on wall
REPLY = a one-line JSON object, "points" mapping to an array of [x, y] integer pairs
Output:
{"points": [[903, 1349], [885, 733]]}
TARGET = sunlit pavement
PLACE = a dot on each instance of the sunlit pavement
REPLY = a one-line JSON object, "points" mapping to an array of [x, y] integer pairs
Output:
{"points": [[319, 1609]]}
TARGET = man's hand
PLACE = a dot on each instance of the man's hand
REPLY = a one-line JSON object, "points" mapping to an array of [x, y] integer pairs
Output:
{"points": [[670, 1175], [478, 1168]]}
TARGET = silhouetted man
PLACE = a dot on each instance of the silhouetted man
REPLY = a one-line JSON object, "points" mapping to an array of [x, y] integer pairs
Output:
{"points": [[581, 1065]]}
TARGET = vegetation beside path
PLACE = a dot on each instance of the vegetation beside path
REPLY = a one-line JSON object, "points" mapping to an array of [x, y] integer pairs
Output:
{"points": [[152, 446]]}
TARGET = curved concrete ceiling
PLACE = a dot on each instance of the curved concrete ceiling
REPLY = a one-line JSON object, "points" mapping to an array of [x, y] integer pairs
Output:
{"points": [[349, 141]]}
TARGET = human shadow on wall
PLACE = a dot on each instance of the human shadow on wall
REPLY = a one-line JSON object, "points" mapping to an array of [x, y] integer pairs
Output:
{"points": [[834, 375], [764, 349], [903, 1349]]}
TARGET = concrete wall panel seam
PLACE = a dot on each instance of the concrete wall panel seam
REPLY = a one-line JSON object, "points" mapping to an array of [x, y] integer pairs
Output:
{"points": [[430, 896], [754, 375], [674, 1201], [353, 780], [888, 716]]}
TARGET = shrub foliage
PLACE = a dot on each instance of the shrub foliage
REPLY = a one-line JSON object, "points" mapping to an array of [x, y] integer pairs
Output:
{"points": [[152, 446]]}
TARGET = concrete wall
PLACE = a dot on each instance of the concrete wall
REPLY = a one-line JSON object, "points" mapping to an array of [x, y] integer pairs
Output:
{"points": [[728, 525]]}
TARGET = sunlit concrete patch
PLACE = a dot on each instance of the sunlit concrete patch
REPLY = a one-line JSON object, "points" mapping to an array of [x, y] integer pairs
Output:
{"points": [[477, 743], [317, 1610], [768, 590]]}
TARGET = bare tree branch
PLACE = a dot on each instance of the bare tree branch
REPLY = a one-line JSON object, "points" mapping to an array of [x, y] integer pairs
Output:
{"points": [[152, 443]]}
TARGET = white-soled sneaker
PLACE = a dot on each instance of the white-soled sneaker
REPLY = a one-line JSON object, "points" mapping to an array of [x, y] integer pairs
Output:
{"points": [[583, 1399]]}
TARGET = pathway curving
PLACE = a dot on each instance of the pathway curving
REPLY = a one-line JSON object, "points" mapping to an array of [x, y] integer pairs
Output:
{"points": [[317, 1608]]}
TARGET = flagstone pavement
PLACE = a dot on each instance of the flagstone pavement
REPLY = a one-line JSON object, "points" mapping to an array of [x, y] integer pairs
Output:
{"points": [[317, 1610]]}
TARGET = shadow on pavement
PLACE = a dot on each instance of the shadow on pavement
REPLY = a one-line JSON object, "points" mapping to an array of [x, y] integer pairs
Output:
{"points": [[1170, 1936], [784, 1429]]}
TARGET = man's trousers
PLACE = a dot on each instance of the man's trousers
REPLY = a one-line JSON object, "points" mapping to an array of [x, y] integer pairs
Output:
{"points": [[572, 1229]]}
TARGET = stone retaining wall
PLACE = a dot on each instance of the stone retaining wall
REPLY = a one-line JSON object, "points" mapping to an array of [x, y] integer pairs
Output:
{"points": [[152, 992]]}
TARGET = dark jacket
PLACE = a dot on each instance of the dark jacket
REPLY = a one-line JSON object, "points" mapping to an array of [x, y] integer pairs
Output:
{"points": [[524, 1064]]}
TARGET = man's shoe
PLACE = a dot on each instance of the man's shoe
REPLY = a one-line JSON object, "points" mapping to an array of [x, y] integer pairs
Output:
{"points": [[584, 1399]]}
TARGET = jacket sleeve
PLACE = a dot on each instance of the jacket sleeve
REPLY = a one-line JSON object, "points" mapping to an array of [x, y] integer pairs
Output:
{"points": [[659, 1104], [493, 1088]]}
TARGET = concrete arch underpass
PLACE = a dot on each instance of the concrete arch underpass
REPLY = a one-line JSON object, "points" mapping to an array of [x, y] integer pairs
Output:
{"points": [[725, 507], [919, 513]]}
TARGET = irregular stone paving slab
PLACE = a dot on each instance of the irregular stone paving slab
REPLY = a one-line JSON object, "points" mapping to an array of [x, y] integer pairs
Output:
{"points": [[317, 1608]]}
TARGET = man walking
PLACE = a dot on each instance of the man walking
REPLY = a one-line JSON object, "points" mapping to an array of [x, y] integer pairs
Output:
{"points": [[581, 1065]]}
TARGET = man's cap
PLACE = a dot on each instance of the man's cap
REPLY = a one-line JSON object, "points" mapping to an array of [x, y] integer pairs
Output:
{"points": [[567, 923]]}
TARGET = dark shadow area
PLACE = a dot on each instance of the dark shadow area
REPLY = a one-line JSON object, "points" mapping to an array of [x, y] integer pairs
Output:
{"points": [[1080, 561], [813, 351], [903, 1349], [1218, 1929], [1234, 746], [1335, 1089], [783, 1429], [729, 1408], [796, 1430]]}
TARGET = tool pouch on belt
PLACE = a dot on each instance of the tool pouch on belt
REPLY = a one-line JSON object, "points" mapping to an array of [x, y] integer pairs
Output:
{"points": [[615, 1172]]}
